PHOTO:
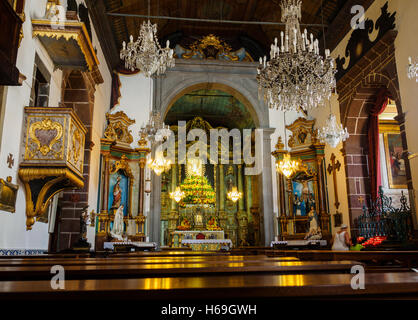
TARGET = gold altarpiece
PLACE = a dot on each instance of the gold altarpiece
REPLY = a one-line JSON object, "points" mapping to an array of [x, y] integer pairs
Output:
{"points": [[240, 221], [122, 179], [306, 189]]}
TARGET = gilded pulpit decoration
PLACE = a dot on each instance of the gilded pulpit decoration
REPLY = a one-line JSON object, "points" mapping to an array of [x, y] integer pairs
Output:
{"points": [[44, 139], [211, 47], [53, 157], [8, 194], [66, 39]]}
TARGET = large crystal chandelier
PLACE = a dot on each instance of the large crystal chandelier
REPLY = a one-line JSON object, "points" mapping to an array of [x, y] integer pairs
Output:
{"points": [[155, 129], [332, 133], [146, 53], [296, 76], [412, 70]]}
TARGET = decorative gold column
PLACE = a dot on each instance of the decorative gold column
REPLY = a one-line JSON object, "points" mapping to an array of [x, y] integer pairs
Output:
{"points": [[242, 214], [140, 218], [173, 216], [222, 213], [103, 216], [282, 218]]}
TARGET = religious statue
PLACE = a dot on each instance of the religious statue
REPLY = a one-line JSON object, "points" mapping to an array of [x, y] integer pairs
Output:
{"points": [[117, 194], [117, 229], [314, 232], [198, 219], [82, 244]]}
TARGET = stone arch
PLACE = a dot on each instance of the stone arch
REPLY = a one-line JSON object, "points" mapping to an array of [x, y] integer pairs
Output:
{"points": [[355, 113], [78, 89], [213, 86]]}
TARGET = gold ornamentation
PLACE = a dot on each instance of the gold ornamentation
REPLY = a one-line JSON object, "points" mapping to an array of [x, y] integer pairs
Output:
{"points": [[45, 142], [303, 133], [211, 47], [77, 140], [118, 127], [62, 178], [8, 194], [71, 30]]}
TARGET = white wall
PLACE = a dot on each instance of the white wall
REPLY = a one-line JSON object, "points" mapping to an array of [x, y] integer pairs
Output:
{"points": [[13, 234]]}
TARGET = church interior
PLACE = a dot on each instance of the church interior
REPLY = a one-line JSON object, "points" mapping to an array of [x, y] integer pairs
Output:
{"points": [[174, 150]]}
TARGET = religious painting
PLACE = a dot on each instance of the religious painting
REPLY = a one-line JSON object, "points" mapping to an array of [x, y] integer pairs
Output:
{"points": [[8, 194], [395, 164], [118, 192], [303, 197]]}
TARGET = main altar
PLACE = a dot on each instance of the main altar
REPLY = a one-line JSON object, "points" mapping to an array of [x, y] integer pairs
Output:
{"points": [[205, 217]]}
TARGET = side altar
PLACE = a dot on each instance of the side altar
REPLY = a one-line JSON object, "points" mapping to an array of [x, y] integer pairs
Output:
{"points": [[121, 217]]}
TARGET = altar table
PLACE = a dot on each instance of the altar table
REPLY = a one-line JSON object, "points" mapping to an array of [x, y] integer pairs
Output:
{"points": [[207, 244], [178, 235]]}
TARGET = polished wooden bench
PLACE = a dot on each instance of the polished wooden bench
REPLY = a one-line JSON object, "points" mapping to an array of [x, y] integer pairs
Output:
{"points": [[405, 258], [152, 269], [318, 286]]}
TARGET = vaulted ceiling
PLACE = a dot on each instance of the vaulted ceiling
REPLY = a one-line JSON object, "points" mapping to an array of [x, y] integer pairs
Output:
{"points": [[113, 30]]}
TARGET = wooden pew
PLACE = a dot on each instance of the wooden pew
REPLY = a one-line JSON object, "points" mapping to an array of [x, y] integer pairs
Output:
{"points": [[405, 258], [201, 288], [152, 269]]}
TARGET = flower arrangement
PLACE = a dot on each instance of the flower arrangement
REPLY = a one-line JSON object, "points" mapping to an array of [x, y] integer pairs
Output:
{"points": [[212, 225], [185, 225], [197, 190], [371, 242]]}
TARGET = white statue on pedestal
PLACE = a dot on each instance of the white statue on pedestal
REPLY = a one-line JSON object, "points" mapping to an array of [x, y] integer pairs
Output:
{"points": [[117, 230]]}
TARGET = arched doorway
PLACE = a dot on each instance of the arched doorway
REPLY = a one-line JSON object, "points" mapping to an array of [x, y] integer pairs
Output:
{"points": [[211, 214]]}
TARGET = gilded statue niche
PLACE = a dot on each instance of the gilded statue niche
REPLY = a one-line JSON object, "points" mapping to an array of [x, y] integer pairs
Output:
{"points": [[118, 128]]}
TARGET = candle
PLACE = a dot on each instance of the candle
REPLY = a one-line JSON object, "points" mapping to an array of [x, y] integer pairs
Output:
{"points": [[410, 60], [281, 35], [287, 43]]}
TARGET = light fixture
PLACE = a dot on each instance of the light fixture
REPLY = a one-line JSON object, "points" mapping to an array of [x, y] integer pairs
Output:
{"points": [[287, 166], [146, 53], [332, 133], [412, 70], [177, 195], [155, 129], [296, 76], [234, 195], [159, 165]]}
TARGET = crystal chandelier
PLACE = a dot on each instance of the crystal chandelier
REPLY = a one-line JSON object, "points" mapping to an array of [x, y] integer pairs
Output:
{"points": [[332, 133], [412, 70], [177, 195], [159, 165], [146, 53], [296, 76], [287, 166], [155, 128], [234, 195]]}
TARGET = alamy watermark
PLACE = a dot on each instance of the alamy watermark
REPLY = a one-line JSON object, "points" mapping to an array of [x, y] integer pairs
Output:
{"points": [[58, 280], [357, 21], [358, 280]]}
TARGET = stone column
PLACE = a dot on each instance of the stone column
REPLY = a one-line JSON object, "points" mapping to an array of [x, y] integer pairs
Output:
{"points": [[267, 189], [222, 214], [324, 216]]}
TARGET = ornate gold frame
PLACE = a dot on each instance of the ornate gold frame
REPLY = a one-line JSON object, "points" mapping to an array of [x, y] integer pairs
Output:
{"points": [[386, 128]]}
